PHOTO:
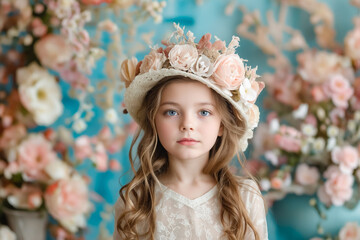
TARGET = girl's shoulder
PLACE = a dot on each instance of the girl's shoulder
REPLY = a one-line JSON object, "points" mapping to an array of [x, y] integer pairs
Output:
{"points": [[249, 189]]}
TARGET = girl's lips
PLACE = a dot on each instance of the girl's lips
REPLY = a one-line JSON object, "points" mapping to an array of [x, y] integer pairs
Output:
{"points": [[187, 141]]}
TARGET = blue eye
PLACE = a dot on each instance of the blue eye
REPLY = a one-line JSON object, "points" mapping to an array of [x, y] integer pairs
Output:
{"points": [[204, 113], [171, 113]]}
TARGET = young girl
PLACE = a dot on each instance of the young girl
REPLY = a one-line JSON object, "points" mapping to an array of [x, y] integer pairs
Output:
{"points": [[195, 105]]}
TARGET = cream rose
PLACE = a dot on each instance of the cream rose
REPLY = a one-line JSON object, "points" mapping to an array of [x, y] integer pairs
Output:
{"points": [[182, 57], [128, 71], [203, 66], [39, 93], [306, 175], [229, 71], [152, 61]]}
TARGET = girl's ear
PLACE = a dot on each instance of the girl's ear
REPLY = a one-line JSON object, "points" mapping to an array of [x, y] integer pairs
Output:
{"points": [[221, 130]]}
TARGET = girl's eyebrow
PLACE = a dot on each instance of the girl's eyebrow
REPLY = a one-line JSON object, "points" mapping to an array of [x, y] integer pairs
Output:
{"points": [[198, 104]]}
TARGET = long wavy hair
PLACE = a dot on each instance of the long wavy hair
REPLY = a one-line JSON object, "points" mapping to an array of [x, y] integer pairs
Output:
{"points": [[138, 195]]}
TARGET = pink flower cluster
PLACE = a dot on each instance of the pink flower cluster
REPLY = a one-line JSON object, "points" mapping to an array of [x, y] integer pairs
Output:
{"points": [[212, 61]]}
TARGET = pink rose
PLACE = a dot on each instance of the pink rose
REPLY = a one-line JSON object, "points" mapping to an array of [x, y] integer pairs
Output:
{"points": [[128, 70], [53, 51], [153, 61], [306, 175], [68, 200], [12, 135], [83, 148], [347, 157], [318, 94], [254, 116], [182, 57], [34, 153], [288, 139], [338, 186], [352, 43], [100, 157], [229, 71], [338, 84], [351, 231], [341, 99], [114, 165]]}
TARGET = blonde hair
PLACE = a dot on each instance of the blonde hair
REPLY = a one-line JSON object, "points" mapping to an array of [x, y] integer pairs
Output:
{"points": [[138, 194]]}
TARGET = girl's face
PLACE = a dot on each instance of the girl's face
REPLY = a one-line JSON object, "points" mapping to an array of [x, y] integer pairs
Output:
{"points": [[188, 122]]}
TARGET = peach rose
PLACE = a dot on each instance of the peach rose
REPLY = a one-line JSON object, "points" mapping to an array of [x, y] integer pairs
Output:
{"points": [[153, 61], [182, 57], [34, 153], [352, 43], [53, 51], [128, 70], [347, 157], [306, 175], [229, 71], [338, 185], [351, 231], [12, 135], [67, 201], [254, 116]]}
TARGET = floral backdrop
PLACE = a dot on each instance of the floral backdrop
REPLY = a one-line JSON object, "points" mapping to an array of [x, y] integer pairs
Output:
{"points": [[64, 138]]}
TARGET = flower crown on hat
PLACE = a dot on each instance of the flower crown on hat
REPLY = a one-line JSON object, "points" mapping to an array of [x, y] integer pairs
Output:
{"points": [[213, 64]]}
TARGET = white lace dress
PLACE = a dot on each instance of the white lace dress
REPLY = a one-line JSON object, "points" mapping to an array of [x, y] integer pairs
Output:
{"points": [[178, 217]]}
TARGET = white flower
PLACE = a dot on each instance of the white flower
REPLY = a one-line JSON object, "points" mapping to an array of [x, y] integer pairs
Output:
{"points": [[265, 184], [272, 157], [73, 223], [79, 125], [301, 111], [58, 170], [319, 144], [332, 131], [247, 92], [274, 125], [320, 112], [111, 116], [331, 144], [351, 125], [357, 116], [203, 66], [308, 130], [6, 233], [40, 94]]}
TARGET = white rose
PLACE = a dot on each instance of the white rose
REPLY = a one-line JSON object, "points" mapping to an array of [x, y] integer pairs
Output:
{"points": [[203, 66], [182, 57], [58, 170], [40, 94], [6, 233]]}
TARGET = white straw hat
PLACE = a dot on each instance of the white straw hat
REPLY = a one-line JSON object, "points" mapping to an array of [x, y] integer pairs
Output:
{"points": [[212, 64]]}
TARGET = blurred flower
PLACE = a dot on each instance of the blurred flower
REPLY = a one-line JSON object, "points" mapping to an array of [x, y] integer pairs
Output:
{"points": [[311, 141]]}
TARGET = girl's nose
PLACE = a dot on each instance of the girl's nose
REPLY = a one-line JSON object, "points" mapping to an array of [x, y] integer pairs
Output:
{"points": [[187, 123]]}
